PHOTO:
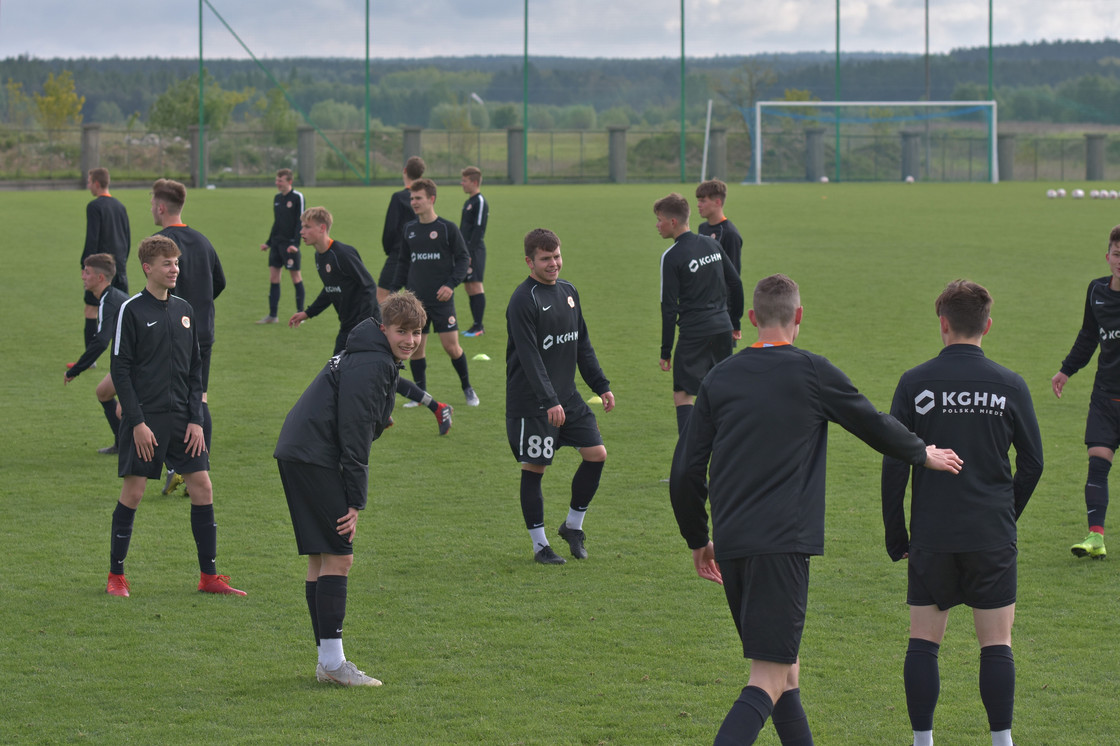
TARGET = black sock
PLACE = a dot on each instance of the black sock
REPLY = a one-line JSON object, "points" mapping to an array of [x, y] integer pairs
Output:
{"points": [[207, 425], [745, 719], [789, 720], [309, 592], [419, 370], [922, 679], [584, 484], [410, 390], [273, 299], [478, 307], [110, 408], [90, 330], [330, 605], [205, 532], [299, 295], [1096, 490], [123, 516], [997, 685], [532, 499], [460, 365], [683, 413]]}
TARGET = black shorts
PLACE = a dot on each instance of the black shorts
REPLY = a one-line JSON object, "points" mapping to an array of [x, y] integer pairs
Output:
{"points": [[980, 580], [441, 317], [534, 441], [695, 356], [768, 595], [278, 256], [1102, 426], [388, 272], [169, 428], [316, 500], [478, 266]]}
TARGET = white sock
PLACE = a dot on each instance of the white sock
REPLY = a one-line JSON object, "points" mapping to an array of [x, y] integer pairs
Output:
{"points": [[330, 653], [923, 738], [575, 518], [539, 539], [426, 399], [1002, 738]]}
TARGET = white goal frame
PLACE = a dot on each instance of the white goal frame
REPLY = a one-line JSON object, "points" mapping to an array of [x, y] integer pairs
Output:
{"points": [[993, 155]]}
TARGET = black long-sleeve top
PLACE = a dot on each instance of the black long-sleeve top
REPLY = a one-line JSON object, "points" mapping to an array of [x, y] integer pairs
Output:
{"points": [[432, 255], [700, 290], [108, 308], [1100, 325], [286, 212], [108, 232], [347, 285], [201, 278]]}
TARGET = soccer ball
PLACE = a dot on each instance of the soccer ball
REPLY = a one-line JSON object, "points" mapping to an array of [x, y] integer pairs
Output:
{"points": [[1061, 193], [1077, 193], [1112, 194], [1095, 194], [824, 179], [909, 179], [1051, 194]]}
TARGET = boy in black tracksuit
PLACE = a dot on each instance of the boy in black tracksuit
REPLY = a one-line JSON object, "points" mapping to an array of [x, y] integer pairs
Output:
{"points": [[108, 231], [283, 244], [472, 224], [323, 457], [157, 370], [961, 547], [702, 294], [761, 420], [547, 342], [710, 198], [398, 214]]}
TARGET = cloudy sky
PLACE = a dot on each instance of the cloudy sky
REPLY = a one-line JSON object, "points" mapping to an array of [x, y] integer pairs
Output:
{"points": [[571, 28]]}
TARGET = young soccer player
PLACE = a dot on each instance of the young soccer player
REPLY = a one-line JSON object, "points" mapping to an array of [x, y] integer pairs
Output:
{"points": [[97, 274], [157, 369], [711, 196], [702, 294], [472, 224], [107, 232], [349, 288], [1100, 325], [283, 244], [547, 342], [323, 457], [432, 261], [761, 422], [961, 547], [397, 216]]}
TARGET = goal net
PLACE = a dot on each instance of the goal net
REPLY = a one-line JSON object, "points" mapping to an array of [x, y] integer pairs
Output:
{"points": [[874, 141]]}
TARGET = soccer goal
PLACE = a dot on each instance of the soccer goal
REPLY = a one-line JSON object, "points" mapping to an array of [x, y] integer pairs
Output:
{"points": [[875, 141]]}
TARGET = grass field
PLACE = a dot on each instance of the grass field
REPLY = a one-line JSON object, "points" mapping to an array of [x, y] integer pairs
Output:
{"points": [[476, 643]]}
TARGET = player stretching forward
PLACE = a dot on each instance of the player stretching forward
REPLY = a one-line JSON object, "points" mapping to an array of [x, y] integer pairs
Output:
{"points": [[349, 288], [700, 292], [710, 198], [1100, 325], [323, 457], [432, 261], [283, 244], [96, 277], [157, 370], [472, 224], [961, 545], [761, 420], [547, 342]]}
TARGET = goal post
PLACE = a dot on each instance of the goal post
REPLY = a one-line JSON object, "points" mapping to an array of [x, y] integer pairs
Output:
{"points": [[875, 141]]}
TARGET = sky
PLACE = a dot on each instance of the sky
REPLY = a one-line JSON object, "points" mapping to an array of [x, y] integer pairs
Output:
{"points": [[571, 28]]}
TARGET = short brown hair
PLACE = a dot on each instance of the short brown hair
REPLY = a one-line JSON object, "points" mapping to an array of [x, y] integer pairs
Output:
{"points": [[775, 302], [103, 263], [154, 246], [672, 206], [1114, 237], [425, 185], [319, 215], [171, 193], [285, 173], [474, 173], [404, 309], [414, 167], [966, 305], [101, 176], [540, 239], [712, 189]]}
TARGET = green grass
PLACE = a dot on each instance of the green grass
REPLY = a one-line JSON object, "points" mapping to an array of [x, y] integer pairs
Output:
{"points": [[476, 643]]}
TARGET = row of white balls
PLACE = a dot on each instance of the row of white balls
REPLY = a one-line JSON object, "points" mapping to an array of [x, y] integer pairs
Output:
{"points": [[1080, 194]]}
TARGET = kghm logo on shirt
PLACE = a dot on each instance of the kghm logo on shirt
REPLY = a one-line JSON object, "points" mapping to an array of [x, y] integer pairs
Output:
{"points": [[332, 288], [425, 256], [962, 402], [1109, 334], [696, 264], [559, 339]]}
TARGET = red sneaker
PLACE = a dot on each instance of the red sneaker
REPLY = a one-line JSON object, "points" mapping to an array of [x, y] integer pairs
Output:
{"points": [[117, 586], [218, 584], [443, 418]]}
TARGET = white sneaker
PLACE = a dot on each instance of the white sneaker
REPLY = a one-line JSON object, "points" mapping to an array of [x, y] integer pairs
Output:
{"points": [[410, 404], [472, 397], [346, 675]]}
